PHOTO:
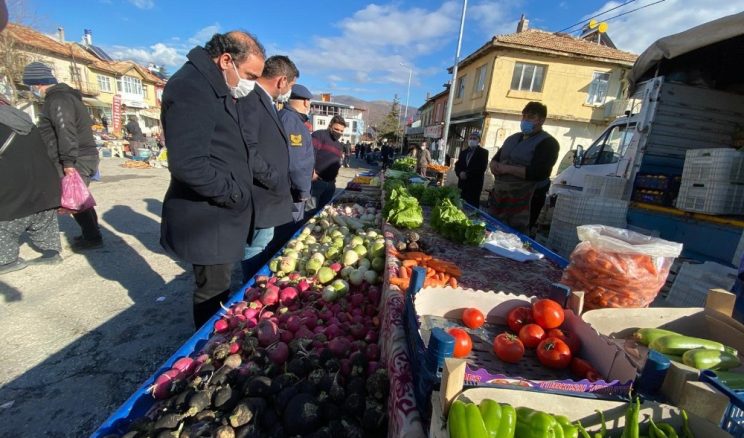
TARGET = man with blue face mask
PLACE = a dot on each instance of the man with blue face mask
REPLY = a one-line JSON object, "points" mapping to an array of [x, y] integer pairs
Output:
{"points": [[208, 208], [521, 170]]}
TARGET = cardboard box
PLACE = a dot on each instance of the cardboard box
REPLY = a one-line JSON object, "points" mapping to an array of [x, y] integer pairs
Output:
{"points": [[575, 408], [433, 305]]}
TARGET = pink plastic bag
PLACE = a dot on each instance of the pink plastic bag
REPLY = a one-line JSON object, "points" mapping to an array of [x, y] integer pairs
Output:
{"points": [[75, 195]]}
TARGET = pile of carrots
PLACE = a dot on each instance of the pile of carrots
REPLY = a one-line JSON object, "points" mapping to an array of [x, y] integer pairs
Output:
{"points": [[439, 273], [438, 168]]}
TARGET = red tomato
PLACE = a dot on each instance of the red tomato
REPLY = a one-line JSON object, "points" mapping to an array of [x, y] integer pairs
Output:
{"points": [[580, 368], [554, 353], [570, 338], [463, 343], [508, 347], [473, 318], [547, 313], [517, 317], [531, 335]]}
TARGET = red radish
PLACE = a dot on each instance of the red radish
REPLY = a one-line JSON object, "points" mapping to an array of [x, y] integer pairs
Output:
{"points": [[310, 322], [303, 332], [325, 314], [294, 276], [266, 315], [273, 280], [161, 389], [339, 346], [371, 337], [268, 333], [288, 295], [293, 323], [317, 345], [252, 294], [239, 306], [370, 310], [278, 353], [256, 304], [303, 285], [261, 279], [250, 312], [319, 329], [221, 325], [186, 366], [358, 331], [332, 331], [345, 367], [376, 321], [374, 295], [336, 267], [270, 295], [234, 347], [237, 320], [202, 358], [372, 351], [250, 323], [356, 299], [286, 335], [358, 345], [372, 366]]}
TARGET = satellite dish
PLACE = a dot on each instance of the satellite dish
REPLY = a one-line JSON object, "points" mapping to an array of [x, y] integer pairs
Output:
{"points": [[592, 24], [602, 27]]}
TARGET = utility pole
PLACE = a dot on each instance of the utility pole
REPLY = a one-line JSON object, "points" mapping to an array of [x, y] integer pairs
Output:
{"points": [[453, 82], [408, 95]]}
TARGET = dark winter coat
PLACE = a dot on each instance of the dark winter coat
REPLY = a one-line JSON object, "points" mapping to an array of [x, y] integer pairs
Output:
{"points": [[265, 136], [207, 210], [327, 155], [66, 126], [301, 154], [472, 186], [29, 182]]}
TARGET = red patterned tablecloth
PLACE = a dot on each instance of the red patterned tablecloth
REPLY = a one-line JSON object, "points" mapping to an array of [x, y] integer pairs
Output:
{"points": [[481, 270]]}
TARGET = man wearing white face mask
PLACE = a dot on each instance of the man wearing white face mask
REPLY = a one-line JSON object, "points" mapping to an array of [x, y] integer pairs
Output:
{"points": [[208, 209], [470, 169], [267, 140]]}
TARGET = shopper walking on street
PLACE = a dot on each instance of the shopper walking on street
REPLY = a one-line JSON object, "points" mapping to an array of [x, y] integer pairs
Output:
{"points": [[29, 191], [521, 169], [208, 210], [328, 152], [423, 159], [470, 170], [347, 153], [135, 136], [66, 128], [265, 136]]}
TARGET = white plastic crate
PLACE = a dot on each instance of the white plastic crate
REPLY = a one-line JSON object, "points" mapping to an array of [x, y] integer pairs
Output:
{"points": [[604, 186], [693, 281], [720, 164], [583, 210], [711, 197]]}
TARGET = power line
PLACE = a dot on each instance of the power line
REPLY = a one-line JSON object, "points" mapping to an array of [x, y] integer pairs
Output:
{"points": [[595, 16], [636, 9]]}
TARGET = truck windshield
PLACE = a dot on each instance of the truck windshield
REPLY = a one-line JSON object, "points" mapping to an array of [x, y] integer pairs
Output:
{"points": [[610, 146]]}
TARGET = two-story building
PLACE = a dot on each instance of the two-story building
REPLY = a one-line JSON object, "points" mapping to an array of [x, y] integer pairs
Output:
{"points": [[576, 79], [431, 114], [322, 111]]}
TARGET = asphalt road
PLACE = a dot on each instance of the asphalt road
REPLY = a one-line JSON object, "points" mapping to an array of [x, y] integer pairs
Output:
{"points": [[83, 335]]}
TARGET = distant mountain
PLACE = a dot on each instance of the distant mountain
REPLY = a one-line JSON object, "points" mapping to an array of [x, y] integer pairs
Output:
{"points": [[376, 109]]}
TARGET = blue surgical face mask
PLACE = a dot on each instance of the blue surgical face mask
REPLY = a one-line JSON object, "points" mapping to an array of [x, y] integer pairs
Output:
{"points": [[526, 127]]}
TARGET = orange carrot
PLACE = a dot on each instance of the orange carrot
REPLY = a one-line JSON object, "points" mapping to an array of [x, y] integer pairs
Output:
{"points": [[410, 262], [452, 282]]}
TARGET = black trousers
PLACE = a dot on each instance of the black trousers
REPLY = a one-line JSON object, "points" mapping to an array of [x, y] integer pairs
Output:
{"points": [[87, 166], [536, 204], [212, 288]]}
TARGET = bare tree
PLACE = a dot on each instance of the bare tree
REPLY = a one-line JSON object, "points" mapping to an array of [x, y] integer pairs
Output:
{"points": [[12, 57]]}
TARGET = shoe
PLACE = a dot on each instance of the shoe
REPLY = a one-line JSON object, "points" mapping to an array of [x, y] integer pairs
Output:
{"points": [[85, 244], [13, 266], [46, 260]]}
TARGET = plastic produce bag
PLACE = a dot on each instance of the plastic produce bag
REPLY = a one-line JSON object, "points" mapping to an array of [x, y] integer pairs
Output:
{"points": [[617, 267], [75, 195]]}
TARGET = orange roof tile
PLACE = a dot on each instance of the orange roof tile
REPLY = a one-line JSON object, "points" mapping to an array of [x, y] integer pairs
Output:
{"points": [[548, 41], [32, 38]]}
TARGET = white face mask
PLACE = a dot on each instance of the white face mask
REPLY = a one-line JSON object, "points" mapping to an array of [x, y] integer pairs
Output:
{"points": [[472, 143], [283, 98], [244, 86]]}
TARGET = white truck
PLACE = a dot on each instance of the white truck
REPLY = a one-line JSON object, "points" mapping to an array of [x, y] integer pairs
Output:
{"points": [[688, 91]]}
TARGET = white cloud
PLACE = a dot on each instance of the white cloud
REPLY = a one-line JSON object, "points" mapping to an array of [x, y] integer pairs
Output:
{"points": [[158, 53], [143, 4], [495, 17], [204, 34], [637, 30]]}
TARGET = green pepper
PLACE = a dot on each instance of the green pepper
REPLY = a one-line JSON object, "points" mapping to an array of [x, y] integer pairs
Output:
{"points": [[686, 431], [582, 430], [465, 421], [508, 423], [603, 432], [654, 431], [491, 413], [668, 429], [632, 429], [536, 424], [569, 430]]}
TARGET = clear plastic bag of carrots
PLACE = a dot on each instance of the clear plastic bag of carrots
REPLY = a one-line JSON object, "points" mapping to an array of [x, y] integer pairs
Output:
{"points": [[618, 268]]}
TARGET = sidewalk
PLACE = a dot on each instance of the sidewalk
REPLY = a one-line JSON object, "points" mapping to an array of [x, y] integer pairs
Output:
{"points": [[83, 335]]}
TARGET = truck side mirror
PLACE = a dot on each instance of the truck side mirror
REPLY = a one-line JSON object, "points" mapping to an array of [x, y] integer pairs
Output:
{"points": [[579, 156]]}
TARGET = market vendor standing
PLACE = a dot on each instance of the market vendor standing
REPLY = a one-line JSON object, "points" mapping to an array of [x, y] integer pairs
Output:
{"points": [[208, 209], [328, 153], [521, 169], [470, 170]]}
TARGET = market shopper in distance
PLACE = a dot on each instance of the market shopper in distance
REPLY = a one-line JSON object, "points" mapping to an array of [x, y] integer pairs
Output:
{"points": [[66, 128], [423, 159], [266, 138], [208, 209], [521, 169], [29, 191], [328, 152], [470, 169], [135, 136]]}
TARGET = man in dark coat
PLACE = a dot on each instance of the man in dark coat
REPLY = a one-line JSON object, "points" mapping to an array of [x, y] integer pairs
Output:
{"points": [[294, 117], [67, 130], [470, 169], [208, 210], [328, 153], [29, 191], [135, 136], [265, 135]]}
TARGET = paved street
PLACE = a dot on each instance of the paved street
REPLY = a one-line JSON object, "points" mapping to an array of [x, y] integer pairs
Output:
{"points": [[83, 335]]}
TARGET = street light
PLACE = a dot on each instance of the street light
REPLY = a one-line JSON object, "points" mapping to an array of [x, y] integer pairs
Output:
{"points": [[453, 82], [408, 94]]}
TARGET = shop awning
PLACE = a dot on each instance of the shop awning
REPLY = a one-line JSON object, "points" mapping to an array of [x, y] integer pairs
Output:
{"points": [[466, 120], [90, 101], [150, 114]]}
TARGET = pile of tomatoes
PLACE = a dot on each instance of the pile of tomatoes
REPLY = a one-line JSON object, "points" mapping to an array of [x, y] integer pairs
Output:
{"points": [[535, 327]]}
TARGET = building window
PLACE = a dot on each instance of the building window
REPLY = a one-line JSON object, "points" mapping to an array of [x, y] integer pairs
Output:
{"points": [[528, 77], [598, 88], [321, 122], [130, 85], [353, 126], [439, 116], [460, 87], [480, 79], [104, 84], [144, 90]]}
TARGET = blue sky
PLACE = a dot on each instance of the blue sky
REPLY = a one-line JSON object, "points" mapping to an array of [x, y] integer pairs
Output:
{"points": [[352, 47]]}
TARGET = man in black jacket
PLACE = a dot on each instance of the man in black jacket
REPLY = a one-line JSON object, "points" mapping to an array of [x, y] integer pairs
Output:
{"points": [[29, 191], [265, 135], [66, 128], [470, 169], [207, 211], [328, 153]]}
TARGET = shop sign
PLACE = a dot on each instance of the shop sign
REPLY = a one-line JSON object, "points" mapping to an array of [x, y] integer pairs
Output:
{"points": [[434, 131], [116, 114]]}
